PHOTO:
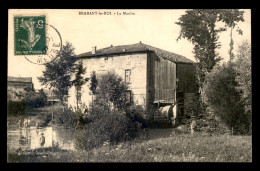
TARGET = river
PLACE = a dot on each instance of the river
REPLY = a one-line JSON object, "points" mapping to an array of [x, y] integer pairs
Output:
{"points": [[29, 138]]}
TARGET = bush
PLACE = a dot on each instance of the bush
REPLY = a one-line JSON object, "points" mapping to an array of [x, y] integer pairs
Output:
{"points": [[222, 97], [16, 107], [136, 114], [66, 118], [113, 127], [110, 118], [210, 124], [45, 119], [35, 100]]}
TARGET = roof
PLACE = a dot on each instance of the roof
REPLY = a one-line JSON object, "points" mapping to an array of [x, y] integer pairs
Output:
{"points": [[20, 79], [138, 47]]}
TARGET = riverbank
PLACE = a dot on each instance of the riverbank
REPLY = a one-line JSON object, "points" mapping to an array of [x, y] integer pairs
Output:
{"points": [[159, 145], [177, 148], [41, 115]]}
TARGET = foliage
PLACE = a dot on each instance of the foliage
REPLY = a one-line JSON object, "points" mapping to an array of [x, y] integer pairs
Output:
{"points": [[224, 99], [58, 73], [29, 100], [44, 119], [244, 77], [178, 148], [49, 154], [230, 17], [110, 92], [66, 118], [42, 98], [210, 124], [35, 99], [199, 26], [93, 83], [16, 107], [113, 127], [137, 114], [79, 80], [244, 74]]}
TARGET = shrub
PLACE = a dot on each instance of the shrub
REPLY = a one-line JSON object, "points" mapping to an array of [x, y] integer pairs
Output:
{"points": [[210, 124], [223, 98], [114, 127], [136, 114], [81, 119], [16, 107], [45, 119], [66, 118], [110, 118], [35, 99]]}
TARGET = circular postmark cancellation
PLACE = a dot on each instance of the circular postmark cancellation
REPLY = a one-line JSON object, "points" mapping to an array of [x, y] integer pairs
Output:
{"points": [[37, 41]]}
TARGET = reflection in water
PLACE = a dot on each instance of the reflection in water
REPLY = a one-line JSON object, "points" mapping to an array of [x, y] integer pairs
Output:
{"points": [[32, 138]]}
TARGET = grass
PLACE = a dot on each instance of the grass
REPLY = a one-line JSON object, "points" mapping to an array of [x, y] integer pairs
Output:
{"points": [[178, 148], [160, 146], [40, 155]]}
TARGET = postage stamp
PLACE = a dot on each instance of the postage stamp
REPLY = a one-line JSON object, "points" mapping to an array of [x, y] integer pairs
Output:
{"points": [[37, 41], [30, 35]]}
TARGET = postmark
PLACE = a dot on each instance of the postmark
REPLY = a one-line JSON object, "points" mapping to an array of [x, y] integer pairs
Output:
{"points": [[37, 41]]}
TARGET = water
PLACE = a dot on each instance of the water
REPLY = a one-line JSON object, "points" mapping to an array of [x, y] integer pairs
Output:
{"points": [[29, 138]]}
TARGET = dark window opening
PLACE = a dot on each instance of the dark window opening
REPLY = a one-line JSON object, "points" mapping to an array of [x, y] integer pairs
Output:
{"points": [[128, 76]]}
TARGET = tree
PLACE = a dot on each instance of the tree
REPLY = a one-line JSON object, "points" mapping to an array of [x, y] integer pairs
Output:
{"points": [[93, 83], [79, 80], [42, 97], [199, 27], [230, 17], [110, 91], [58, 74], [244, 77]]}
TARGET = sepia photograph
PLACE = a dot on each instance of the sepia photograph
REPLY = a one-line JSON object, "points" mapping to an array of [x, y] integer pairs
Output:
{"points": [[129, 86]]}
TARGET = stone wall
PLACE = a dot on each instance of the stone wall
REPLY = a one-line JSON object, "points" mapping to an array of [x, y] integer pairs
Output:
{"points": [[136, 63]]}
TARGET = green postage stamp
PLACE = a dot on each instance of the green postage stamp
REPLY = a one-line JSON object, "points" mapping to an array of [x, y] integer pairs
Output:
{"points": [[30, 35]]}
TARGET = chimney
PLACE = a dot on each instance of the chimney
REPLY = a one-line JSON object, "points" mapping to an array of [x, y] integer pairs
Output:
{"points": [[94, 49]]}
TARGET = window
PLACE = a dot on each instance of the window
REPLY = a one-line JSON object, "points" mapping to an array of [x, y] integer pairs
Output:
{"points": [[128, 76]]}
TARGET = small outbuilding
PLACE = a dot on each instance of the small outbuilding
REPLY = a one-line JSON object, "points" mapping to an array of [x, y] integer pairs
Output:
{"points": [[16, 87]]}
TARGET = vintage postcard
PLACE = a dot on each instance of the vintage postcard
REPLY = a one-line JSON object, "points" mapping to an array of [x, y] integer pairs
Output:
{"points": [[129, 85]]}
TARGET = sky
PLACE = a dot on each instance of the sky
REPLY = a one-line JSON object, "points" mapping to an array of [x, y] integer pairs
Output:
{"points": [[153, 27]]}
